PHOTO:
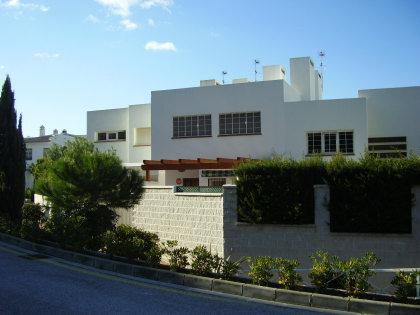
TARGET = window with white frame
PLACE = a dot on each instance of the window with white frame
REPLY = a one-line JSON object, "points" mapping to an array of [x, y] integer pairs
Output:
{"points": [[191, 126], [111, 136], [28, 154], [330, 142], [238, 124]]}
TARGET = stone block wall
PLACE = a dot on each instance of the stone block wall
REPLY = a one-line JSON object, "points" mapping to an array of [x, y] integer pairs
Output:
{"points": [[190, 218]]}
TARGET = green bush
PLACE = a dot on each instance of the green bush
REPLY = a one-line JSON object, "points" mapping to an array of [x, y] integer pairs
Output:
{"points": [[178, 256], [372, 195], [278, 191], [203, 262], [405, 283], [8, 225], [288, 276], [133, 243], [355, 273], [32, 218], [324, 273], [261, 270], [229, 268]]}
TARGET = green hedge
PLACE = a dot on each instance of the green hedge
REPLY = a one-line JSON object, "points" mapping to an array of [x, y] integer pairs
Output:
{"points": [[278, 191], [369, 195], [372, 195]]}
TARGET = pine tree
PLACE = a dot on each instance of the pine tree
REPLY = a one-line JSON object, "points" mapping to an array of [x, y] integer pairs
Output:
{"points": [[12, 156]]}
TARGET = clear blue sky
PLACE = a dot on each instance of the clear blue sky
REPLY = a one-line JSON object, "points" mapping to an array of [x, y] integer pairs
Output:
{"points": [[68, 57]]}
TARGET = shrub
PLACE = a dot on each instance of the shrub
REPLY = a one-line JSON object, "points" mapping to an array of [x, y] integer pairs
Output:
{"points": [[288, 277], [84, 187], [324, 273], [230, 268], [405, 283], [178, 256], [355, 273], [278, 191], [9, 226], [133, 243], [372, 195], [32, 218], [261, 270], [202, 261]]}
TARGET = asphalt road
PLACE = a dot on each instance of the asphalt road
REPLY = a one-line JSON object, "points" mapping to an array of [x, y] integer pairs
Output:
{"points": [[45, 285]]}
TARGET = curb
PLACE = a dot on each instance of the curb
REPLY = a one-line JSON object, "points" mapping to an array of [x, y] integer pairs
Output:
{"points": [[223, 286]]}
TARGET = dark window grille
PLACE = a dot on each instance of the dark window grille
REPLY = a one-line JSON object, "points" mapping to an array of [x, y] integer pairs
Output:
{"points": [[232, 124], [191, 126], [346, 142], [314, 143]]}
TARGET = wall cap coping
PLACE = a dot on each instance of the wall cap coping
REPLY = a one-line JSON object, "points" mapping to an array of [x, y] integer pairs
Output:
{"points": [[199, 194], [158, 187]]}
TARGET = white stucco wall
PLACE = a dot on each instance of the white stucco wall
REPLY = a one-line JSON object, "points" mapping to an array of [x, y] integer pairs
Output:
{"points": [[394, 112], [128, 119], [283, 124]]}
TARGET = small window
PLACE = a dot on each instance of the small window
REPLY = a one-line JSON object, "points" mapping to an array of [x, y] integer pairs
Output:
{"points": [[102, 136], [112, 136], [330, 142], [28, 154], [121, 135], [346, 142], [314, 143], [217, 182]]}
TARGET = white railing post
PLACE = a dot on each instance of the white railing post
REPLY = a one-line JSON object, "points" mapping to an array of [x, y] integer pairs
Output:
{"points": [[418, 287]]}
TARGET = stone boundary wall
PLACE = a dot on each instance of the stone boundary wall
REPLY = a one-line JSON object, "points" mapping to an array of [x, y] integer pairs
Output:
{"points": [[241, 239], [190, 218]]}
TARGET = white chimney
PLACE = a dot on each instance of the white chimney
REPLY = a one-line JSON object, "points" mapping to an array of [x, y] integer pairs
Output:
{"points": [[55, 132], [302, 77], [275, 72], [41, 131], [211, 82], [319, 85], [64, 131]]}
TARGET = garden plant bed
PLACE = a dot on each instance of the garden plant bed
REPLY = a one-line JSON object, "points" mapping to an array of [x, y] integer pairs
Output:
{"points": [[306, 296]]}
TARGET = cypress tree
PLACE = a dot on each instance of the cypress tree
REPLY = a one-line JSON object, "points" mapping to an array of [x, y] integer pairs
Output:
{"points": [[12, 156]]}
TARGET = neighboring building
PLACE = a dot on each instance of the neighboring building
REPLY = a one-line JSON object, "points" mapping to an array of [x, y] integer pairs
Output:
{"points": [[36, 147], [198, 134]]}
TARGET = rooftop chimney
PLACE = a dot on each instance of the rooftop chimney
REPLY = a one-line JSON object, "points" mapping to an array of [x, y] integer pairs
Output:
{"points": [[240, 80], [64, 131], [55, 132], [41, 131], [302, 77], [275, 72], [211, 82]]}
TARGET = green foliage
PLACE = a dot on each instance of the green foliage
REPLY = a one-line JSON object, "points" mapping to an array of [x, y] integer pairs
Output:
{"points": [[8, 225], [202, 261], [178, 256], [85, 187], [324, 273], [278, 191], [355, 273], [32, 218], [288, 277], [12, 156], [261, 269], [229, 268], [133, 243], [372, 195], [405, 283]]}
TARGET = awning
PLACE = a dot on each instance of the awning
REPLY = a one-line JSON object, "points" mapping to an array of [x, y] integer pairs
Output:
{"points": [[189, 164]]}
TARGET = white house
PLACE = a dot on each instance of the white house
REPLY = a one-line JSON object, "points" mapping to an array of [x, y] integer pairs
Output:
{"points": [[36, 147], [194, 136]]}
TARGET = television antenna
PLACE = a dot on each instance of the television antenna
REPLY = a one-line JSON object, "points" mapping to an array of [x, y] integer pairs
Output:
{"points": [[322, 55], [256, 62], [223, 76]]}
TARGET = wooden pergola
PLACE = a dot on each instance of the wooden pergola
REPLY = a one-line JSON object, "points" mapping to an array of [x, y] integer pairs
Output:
{"points": [[189, 164]]}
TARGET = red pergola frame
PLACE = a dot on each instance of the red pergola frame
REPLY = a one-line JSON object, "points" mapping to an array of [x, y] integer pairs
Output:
{"points": [[189, 164]]}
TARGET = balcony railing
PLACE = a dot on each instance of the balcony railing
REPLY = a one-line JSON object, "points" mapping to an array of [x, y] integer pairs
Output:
{"points": [[198, 189]]}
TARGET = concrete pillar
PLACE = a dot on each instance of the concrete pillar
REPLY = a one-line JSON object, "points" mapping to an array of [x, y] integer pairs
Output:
{"points": [[322, 215]]}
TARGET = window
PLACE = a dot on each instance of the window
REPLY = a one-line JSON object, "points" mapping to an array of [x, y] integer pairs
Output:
{"points": [[217, 173], [112, 136], [192, 126], [102, 136], [28, 154], [387, 147], [346, 142], [235, 124], [217, 182], [330, 142], [314, 142]]}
